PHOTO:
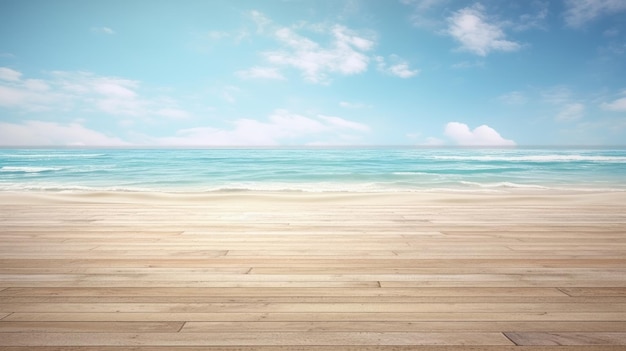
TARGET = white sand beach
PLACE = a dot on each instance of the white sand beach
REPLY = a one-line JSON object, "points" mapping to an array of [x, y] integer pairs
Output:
{"points": [[318, 271]]}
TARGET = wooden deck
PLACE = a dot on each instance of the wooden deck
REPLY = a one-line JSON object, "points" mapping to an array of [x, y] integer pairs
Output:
{"points": [[326, 274]]}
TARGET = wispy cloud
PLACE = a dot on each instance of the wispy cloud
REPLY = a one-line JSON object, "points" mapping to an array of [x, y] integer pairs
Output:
{"points": [[353, 105], [102, 30], [261, 21], [83, 92], [41, 133], [422, 12], [344, 55], [281, 127], [569, 107], [340, 123], [618, 105], [261, 73], [398, 67], [513, 98], [571, 112], [532, 20], [10, 75], [580, 12], [475, 32]]}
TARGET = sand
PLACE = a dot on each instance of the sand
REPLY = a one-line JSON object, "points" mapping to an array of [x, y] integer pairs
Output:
{"points": [[306, 271]]}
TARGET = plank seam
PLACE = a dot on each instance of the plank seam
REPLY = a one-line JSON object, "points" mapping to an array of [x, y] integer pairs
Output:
{"points": [[563, 291], [182, 325], [6, 316], [511, 340]]}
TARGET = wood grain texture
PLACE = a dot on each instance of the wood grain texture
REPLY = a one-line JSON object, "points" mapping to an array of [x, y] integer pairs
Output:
{"points": [[274, 272]]}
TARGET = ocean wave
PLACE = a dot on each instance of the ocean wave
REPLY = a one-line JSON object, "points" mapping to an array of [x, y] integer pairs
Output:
{"points": [[50, 155], [465, 187], [504, 185], [20, 169], [72, 188], [535, 158], [411, 173]]}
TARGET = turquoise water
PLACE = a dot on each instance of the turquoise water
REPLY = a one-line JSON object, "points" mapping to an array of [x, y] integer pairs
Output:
{"points": [[311, 169]]}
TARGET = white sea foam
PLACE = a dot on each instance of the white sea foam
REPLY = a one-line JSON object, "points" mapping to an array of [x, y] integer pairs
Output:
{"points": [[534, 158], [17, 169], [504, 185], [50, 155]]}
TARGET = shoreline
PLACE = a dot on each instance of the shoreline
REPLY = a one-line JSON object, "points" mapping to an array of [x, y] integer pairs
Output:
{"points": [[518, 196]]}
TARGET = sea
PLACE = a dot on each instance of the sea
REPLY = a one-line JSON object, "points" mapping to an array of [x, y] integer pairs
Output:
{"points": [[315, 169]]}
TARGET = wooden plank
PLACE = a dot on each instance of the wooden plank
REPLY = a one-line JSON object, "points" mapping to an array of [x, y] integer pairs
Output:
{"points": [[200, 284], [345, 262], [610, 277], [374, 291], [594, 291], [317, 348], [563, 283], [352, 273], [248, 338], [89, 327], [315, 307], [316, 299], [538, 338], [395, 326], [317, 316]]}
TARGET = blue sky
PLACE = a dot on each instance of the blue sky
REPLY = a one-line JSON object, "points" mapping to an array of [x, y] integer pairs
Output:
{"points": [[304, 72]]}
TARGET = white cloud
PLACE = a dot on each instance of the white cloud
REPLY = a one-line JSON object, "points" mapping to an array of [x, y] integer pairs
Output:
{"points": [[557, 95], [112, 95], [228, 93], [471, 28], [533, 20], [261, 73], [345, 55], [399, 67], [469, 64], [580, 12], [402, 70], [217, 35], [423, 11], [116, 88], [261, 21], [344, 124], [103, 30], [616, 105], [353, 105], [423, 4], [10, 75], [39, 133], [513, 98], [78, 91], [173, 113], [570, 108], [36, 85], [432, 141], [30, 95], [571, 112], [281, 126], [480, 136]]}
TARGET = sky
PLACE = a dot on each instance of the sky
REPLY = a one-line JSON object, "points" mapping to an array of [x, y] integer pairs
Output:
{"points": [[312, 72]]}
